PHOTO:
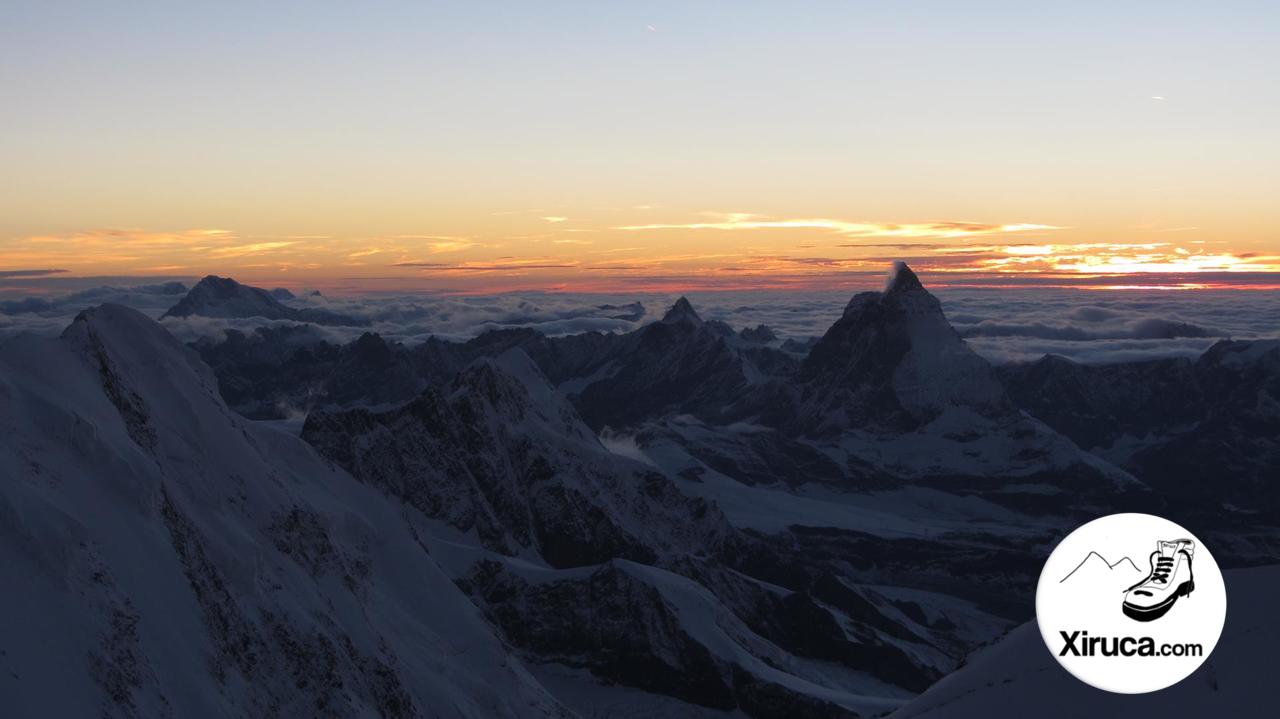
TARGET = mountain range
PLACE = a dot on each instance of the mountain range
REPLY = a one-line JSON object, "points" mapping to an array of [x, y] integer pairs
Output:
{"points": [[681, 520]]}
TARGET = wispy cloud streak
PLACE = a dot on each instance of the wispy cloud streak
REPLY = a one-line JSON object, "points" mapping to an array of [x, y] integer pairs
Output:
{"points": [[939, 230]]}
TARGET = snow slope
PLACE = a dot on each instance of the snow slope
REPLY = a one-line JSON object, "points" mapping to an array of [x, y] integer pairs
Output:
{"points": [[163, 557]]}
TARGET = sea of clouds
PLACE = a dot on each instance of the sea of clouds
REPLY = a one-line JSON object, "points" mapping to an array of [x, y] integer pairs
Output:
{"points": [[1004, 325]]}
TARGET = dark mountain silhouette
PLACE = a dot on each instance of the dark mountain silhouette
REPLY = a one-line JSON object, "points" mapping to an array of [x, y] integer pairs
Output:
{"points": [[1207, 428], [216, 296]]}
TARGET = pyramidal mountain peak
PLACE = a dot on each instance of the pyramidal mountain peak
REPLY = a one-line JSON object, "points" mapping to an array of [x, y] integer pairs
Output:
{"points": [[902, 279], [903, 292], [893, 357], [682, 312], [907, 294]]}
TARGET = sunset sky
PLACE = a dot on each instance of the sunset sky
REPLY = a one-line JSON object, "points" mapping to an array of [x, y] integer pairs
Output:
{"points": [[483, 146]]}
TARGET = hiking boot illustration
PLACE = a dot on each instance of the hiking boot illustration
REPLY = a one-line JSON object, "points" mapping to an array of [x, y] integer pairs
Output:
{"points": [[1169, 579]]}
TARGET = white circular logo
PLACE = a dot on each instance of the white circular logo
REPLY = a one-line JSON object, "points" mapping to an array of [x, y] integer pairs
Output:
{"points": [[1131, 603]]}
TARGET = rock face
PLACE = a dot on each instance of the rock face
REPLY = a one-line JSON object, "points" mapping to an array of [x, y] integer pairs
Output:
{"points": [[760, 333], [216, 296], [664, 633], [498, 452], [1203, 429], [176, 560], [283, 371], [637, 570], [1095, 405], [679, 364]]}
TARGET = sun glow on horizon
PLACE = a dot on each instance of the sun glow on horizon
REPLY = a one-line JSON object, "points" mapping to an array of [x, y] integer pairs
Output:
{"points": [[724, 250], [472, 148]]}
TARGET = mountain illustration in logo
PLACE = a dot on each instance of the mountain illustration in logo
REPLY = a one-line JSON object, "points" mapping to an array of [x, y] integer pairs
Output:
{"points": [[1095, 566]]}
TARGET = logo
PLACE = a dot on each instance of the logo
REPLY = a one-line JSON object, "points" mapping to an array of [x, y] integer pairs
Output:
{"points": [[1131, 603]]}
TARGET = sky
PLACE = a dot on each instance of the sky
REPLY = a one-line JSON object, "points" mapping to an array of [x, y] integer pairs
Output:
{"points": [[481, 146]]}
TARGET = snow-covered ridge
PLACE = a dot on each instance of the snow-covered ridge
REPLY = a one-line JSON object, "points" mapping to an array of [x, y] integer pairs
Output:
{"points": [[177, 560]]}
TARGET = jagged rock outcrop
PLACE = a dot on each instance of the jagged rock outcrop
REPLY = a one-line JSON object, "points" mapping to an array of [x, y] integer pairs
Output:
{"points": [[1202, 429], [498, 452]]}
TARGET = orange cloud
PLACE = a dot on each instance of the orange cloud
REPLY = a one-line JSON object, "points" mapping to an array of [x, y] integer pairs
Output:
{"points": [[942, 230]]}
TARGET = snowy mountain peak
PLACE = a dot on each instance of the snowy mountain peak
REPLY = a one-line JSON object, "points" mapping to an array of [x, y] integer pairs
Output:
{"points": [[510, 390], [510, 382], [124, 336], [903, 293], [133, 358], [119, 322], [682, 312], [902, 279]]}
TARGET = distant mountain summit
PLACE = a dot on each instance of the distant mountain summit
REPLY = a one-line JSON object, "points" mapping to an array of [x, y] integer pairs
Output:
{"points": [[679, 364], [217, 296], [682, 312], [892, 360], [630, 312]]}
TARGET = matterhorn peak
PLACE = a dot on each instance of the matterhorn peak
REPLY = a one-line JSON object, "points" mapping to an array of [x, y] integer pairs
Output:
{"points": [[682, 313], [893, 359], [901, 279]]}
